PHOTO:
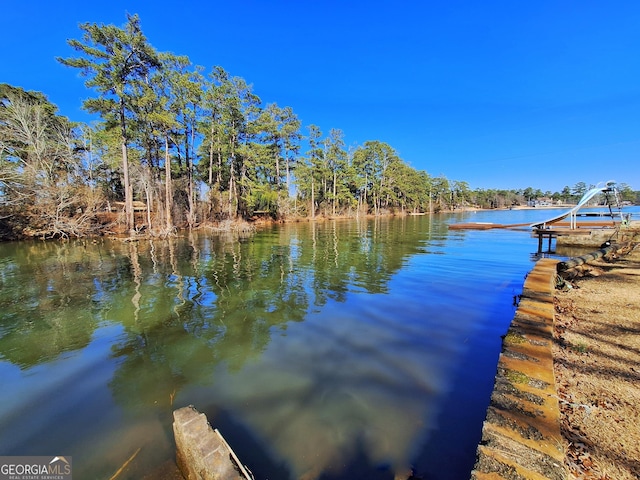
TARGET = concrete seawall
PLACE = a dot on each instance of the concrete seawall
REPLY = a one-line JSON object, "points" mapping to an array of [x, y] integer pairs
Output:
{"points": [[201, 452], [521, 434]]}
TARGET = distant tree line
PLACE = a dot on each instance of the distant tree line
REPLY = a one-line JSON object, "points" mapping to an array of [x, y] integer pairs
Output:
{"points": [[177, 147]]}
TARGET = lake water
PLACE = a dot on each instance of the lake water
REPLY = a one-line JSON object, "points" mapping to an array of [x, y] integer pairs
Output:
{"points": [[339, 350]]}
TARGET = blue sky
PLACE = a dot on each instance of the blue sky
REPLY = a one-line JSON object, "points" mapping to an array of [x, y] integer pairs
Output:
{"points": [[501, 94]]}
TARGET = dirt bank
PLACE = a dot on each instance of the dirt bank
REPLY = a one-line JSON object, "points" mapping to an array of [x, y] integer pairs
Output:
{"points": [[597, 369]]}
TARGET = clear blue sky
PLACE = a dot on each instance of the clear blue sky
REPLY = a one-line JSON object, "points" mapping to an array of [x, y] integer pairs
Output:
{"points": [[501, 94]]}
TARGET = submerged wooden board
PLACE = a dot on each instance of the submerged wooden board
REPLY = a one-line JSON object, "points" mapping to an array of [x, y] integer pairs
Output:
{"points": [[483, 225], [473, 226]]}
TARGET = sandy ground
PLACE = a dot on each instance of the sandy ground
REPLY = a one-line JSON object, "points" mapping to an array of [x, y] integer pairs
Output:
{"points": [[597, 368]]}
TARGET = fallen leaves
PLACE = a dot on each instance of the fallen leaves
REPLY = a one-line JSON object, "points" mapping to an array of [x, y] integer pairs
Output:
{"points": [[597, 387], [581, 465]]}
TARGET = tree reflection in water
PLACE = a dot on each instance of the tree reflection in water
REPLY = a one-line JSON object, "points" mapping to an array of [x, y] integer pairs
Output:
{"points": [[321, 340]]}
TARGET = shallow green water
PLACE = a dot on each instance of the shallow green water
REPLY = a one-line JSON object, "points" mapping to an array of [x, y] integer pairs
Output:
{"points": [[347, 348]]}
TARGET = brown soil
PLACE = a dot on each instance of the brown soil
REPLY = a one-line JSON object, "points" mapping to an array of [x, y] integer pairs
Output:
{"points": [[597, 368]]}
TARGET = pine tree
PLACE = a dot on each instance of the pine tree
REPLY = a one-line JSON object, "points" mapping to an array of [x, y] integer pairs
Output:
{"points": [[113, 59]]}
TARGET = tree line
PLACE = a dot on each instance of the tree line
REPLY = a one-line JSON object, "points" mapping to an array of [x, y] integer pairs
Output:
{"points": [[178, 147]]}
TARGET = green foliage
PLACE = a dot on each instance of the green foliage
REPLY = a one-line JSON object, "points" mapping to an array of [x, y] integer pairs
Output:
{"points": [[580, 347], [201, 148], [117, 63], [262, 200]]}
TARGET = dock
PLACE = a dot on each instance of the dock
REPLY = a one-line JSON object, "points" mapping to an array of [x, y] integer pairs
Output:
{"points": [[590, 231], [585, 234]]}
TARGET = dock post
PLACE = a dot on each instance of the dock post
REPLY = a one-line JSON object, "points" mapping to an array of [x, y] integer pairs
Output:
{"points": [[540, 234]]}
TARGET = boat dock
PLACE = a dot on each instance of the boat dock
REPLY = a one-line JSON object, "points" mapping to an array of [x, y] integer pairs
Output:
{"points": [[591, 231], [550, 234], [584, 234]]}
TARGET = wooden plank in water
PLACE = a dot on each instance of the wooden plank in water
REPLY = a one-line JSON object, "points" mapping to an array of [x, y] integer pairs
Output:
{"points": [[473, 226], [483, 225]]}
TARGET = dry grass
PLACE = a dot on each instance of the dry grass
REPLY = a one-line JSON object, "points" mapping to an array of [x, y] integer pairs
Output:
{"points": [[597, 368]]}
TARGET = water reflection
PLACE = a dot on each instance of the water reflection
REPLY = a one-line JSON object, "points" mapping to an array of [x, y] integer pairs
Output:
{"points": [[327, 342], [39, 278], [350, 378]]}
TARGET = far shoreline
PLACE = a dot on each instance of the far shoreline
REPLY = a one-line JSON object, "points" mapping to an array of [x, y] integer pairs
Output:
{"points": [[251, 224]]}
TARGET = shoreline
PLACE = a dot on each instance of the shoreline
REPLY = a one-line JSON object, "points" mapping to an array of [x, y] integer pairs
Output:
{"points": [[539, 422], [257, 222], [521, 432]]}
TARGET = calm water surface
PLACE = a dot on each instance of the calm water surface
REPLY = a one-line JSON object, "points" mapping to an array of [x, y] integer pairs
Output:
{"points": [[342, 349]]}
